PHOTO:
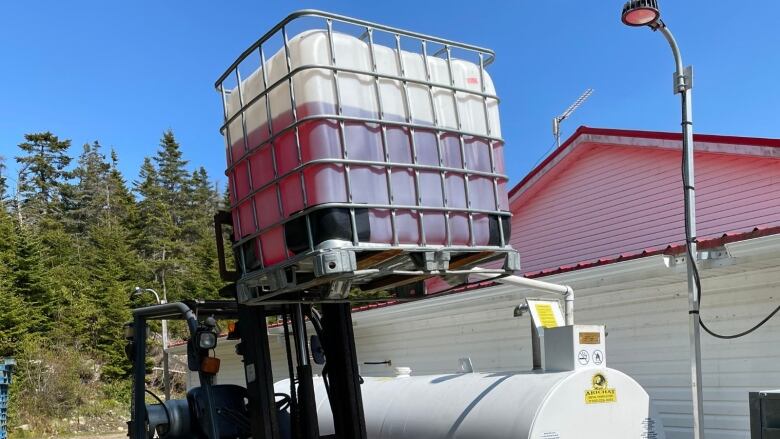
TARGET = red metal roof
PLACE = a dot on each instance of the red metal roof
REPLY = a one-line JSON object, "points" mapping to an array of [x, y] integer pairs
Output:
{"points": [[665, 250]]}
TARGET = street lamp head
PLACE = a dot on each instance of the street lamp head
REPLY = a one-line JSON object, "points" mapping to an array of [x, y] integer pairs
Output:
{"points": [[640, 13], [137, 290]]}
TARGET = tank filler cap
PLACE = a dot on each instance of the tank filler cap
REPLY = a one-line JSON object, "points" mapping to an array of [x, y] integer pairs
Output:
{"points": [[403, 372]]}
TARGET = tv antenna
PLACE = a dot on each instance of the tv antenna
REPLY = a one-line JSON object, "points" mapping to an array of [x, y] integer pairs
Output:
{"points": [[565, 115]]}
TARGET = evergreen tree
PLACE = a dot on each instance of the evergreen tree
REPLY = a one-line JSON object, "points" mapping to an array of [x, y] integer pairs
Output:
{"points": [[15, 319], [172, 175], [78, 240], [198, 235], [42, 172], [90, 195], [121, 201], [15, 323], [113, 271], [156, 236], [3, 183], [28, 279], [200, 206]]}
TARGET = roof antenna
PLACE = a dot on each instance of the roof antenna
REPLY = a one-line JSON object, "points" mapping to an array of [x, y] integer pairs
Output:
{"points": [[558, 119]]}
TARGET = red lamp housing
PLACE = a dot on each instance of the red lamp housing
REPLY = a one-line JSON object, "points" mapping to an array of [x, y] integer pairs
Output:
{"points": [[640, 12]]}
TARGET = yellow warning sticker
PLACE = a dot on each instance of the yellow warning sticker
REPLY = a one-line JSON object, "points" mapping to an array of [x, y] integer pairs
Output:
{"points": [[546, 315], [600, 396], [600, 392]]}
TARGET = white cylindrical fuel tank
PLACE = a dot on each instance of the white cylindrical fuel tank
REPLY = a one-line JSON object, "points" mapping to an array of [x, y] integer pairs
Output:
{"points": [[583, 404]]}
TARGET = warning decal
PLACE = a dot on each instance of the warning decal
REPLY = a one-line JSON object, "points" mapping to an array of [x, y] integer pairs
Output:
{"points": [[546, 315], [649, 429], [600, 393], [590, 338]]}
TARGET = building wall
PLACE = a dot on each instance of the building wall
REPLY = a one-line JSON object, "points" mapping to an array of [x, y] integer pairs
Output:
{"points": [[605, 200], [644, 305]]}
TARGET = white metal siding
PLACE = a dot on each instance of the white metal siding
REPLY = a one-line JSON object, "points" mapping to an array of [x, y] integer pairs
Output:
{"points": [[644, 305]]}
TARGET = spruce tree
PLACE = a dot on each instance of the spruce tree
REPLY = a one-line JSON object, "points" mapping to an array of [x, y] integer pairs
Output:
{"points": [[157, 233], [85, 240], [29, 278], [42, 173], [89, 196], [200, 206], [114, 269], [121, 201], [3, 182], [172, 175], [198, 229], [15, 321]]}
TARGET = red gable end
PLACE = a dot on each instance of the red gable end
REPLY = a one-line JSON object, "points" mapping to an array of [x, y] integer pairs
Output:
{"points": [[607, 193]]}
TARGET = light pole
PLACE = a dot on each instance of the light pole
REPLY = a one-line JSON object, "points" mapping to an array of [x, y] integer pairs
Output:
{"points": [[646, 13], [166, 371]]}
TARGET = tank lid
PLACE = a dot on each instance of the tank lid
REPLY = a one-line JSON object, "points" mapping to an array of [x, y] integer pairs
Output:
{"points": [[403, 372]]}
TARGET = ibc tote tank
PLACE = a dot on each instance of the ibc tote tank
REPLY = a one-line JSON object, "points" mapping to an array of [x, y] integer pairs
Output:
{"points": [[314, 125], [584, 404]]}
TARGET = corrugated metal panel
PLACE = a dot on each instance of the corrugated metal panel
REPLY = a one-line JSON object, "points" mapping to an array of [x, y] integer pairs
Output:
{"points": [[610, 200]]}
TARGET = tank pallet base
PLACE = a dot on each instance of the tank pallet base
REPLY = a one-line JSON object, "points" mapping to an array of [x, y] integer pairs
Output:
{"points": [[330, 274]]}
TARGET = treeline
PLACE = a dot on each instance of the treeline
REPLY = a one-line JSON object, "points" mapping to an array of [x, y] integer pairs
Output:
{"points": [[76, 237]]}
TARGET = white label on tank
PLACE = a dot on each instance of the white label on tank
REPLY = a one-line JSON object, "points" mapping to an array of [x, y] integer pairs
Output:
{"points": [[648, 429]]}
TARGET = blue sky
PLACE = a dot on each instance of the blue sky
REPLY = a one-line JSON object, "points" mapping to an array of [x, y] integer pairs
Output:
{"points": [[122, 72]]}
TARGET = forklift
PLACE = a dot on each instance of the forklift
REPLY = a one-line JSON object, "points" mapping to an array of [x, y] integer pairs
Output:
{"points": [[212, 410], [327, 251]]}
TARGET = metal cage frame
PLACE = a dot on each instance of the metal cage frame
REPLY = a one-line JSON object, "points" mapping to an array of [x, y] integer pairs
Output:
{"points": [[339, 262]]}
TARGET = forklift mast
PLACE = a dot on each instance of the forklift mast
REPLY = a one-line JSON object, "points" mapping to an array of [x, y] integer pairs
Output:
{"points": [[306, 265]]}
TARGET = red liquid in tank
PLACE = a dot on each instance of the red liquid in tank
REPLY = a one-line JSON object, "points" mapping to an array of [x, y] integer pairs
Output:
{"points": [[326, 183]]}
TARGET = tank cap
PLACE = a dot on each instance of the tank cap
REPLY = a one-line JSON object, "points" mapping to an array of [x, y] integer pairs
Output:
{"points": [[403, 372]]}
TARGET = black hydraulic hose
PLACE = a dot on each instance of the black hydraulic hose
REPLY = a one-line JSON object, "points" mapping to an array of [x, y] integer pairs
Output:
{"points": [[376, 363], [316, 320], [282, 403], [167, 413], [290, 372]]}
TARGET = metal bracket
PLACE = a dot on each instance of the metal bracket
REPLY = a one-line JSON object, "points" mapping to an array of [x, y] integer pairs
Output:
{"points": [[435, 261], [277, 280], [683, 83], [243, 293], [706, 259], [334, 262], [512, 261], [339, 289]]}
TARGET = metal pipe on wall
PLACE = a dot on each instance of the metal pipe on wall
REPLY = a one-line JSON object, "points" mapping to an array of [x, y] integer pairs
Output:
{"points": [[537, 285]]}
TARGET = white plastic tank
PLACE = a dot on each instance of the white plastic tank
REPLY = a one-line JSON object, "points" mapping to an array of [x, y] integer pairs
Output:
{"points": [[583, 404], [266, 190]]}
